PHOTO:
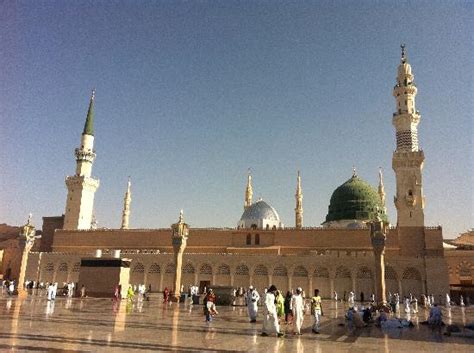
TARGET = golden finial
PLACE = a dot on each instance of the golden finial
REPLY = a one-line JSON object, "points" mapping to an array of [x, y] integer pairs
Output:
{"points": [[93, 94], [404, 54], [354, 171]]}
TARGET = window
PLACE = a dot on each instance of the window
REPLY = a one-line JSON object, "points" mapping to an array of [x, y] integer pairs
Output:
{"points": [[249, 239], [257, 239]]}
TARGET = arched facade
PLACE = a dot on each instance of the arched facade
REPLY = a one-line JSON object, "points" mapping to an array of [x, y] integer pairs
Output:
{"points": [[260, 277], [280, 278], [241, 276], [364, 282], [223, 275], [154, 277], [137, 274], [322, 282], [412, 282], [343, 281]]}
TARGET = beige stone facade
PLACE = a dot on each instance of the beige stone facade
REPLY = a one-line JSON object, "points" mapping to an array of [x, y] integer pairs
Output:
{"points": [[327, 259]]}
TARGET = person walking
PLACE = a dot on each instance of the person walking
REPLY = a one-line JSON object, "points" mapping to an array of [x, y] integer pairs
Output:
{"points": [[287, 307], [297, 306], [270, 319], [317, 310], [252, 299]]}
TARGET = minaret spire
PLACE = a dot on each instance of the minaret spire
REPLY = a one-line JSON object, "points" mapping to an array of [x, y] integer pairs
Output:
{"points": [[126, 206], [299, 203], [408, 158], [89, 125], [248, 191], [81, 186], [381, 191]]}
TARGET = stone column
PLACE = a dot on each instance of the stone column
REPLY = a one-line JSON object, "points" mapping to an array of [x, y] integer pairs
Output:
{"points": [[179, 237], [27, 239], [378, 231]]}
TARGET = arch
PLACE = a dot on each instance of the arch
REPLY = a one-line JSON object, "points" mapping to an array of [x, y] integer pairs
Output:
{"points": [[76, 267], [260, 270], [170, 268], [300, 279], [242, 270], [61, 275], [154, 276], [48, 272], [223, 269], [223, 275], [188, 275], [168, 276], [280, 270], [411, 282], [411, 273], [280, 277], [205, 269], [321, 281], [391, 280], [189, 268], [249, 239], [257, 239], [343, 272], [154, 268], [241, 276], [137, 274], [343, 282], [300, 271], [321, 272], [364, 273], [365, 282], [260, 277]]}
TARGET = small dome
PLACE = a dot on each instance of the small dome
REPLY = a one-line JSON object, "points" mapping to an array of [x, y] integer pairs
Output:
{"points": [[354, 200], [404, 69], [260, 210]]}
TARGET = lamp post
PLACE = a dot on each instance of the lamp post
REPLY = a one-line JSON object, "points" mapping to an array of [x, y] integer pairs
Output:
{"points": [[179, 238]]}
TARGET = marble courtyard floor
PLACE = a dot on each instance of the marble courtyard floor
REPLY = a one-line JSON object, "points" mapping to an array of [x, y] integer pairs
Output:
{"points": [[99, 325]]}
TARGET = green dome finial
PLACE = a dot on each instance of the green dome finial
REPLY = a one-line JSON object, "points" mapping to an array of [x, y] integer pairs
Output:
{"points": [[89, 125]]}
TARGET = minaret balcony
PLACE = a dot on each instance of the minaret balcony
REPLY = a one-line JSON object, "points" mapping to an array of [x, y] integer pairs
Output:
{"points": [[83, 155]]}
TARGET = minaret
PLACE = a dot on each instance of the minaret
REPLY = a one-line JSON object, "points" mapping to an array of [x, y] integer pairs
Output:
{"points": [[381, 191], [407, 161], [248, 191], [179, 238], [126, 206], [81, 186], [299, 203]]}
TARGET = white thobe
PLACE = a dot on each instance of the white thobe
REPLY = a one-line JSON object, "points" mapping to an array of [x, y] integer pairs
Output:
{"points": [[252, 304], [270, 319], [297, 306]]}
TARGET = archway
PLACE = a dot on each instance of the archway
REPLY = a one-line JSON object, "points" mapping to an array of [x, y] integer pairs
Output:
{"points": [[280, 278], [321, 281], [137, 274], [260, 278], [223, 275], [391, 281], [300, 279], [154, 277], [241, 276], [364, 283], [411, 282], [343, 282]]}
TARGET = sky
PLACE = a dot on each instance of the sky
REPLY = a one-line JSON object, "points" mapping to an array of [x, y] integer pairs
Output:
{"points": [[190, 94]]}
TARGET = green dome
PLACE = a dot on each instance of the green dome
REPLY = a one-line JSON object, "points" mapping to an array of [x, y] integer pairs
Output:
{"points": [[355, 200]]}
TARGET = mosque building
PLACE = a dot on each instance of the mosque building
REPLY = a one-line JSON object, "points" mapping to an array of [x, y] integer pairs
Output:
{"points": [[334, 256]]}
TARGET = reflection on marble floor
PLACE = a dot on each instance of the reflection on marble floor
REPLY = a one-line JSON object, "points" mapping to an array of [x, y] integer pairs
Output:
{"points": [[95, 325]]}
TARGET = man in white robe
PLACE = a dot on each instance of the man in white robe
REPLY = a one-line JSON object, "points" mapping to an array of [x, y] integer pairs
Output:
{"points": [[297, 306], [270, 319], [50, 291], [252, 303]]}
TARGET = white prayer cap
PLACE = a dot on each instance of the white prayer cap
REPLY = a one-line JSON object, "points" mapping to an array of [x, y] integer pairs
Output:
{"points": [[251, 287]]}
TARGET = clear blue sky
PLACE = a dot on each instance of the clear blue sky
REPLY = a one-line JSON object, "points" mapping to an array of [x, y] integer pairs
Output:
{"points": [[192, 93]]}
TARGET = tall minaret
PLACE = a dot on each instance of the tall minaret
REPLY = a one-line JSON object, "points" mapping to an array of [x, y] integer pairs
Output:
{"points": [[126, 206], [248, 191], [407, 161], [381, 191], [299, 203], [81, 186]]}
